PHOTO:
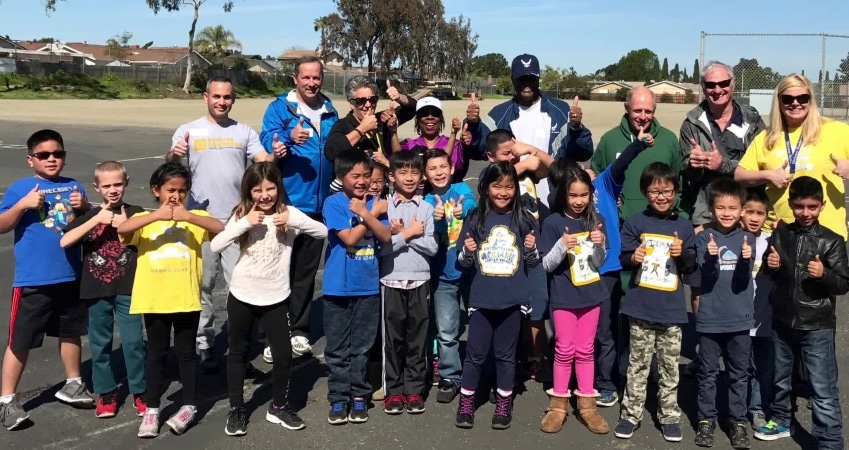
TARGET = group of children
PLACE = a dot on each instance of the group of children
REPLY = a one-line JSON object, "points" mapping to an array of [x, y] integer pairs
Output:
{"points": [[397, 261]]}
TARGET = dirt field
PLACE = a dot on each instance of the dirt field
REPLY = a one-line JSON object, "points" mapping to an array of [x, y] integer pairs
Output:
{"points": [[168, 114]]}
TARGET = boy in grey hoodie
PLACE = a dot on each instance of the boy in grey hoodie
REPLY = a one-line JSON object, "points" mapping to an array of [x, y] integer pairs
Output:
{"points": [[405, 287]]}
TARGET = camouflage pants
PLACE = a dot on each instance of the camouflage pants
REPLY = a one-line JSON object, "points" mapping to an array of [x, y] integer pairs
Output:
{"points": [[646, 339]]}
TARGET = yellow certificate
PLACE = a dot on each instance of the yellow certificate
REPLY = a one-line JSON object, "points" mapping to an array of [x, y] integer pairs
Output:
{"points": [[658, 270], [580, 268]]}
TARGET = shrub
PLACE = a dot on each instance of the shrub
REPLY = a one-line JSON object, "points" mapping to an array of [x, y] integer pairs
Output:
{"points": [[666, 97], [689, 96], [141, 86], [111, 77], [622, 94], [199, 80]]}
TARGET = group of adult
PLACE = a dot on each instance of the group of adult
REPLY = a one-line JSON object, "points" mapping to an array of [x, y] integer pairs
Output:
{"points": [[303, 131]]}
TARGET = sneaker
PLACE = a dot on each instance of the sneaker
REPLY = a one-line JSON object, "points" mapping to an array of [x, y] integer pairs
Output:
{"points": [[414, 404], [338, 414], [149, 427], [182, 420], [107, 406], [76, 394], [139, 405], [237, 422], [671, 432], [758, 420], [625, 429], [436, 376], [772, 431], [394, 404], [607, 398], [359, 411], [704, 433], [266, 355], [465, 411], [301, 346], [283, 415], [12, 415], [447, 391], [503, 413], [739, 436], [207, 365]]}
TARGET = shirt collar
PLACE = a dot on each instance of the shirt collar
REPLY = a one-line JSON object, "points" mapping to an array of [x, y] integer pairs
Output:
{"points": [[397, 199], [736, 115]]}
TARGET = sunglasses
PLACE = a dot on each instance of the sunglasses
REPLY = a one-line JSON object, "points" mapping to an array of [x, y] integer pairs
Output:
{"points": [[361, 101], [429, 111], [713, 84], [789, 99], [44, 156]]}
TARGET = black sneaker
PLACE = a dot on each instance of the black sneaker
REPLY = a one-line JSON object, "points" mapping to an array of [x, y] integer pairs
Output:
{"points": [[359, 411], [465, 411], [739, 436], [283, 415], [704, 433], [237, 422], [625, 429], [447, 391], [503, 413], [414, 404], [338, 414], [207, 365], [671, 432]]}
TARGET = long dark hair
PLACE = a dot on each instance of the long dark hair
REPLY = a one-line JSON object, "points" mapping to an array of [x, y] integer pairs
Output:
{"points": [[520, 216], [572, 173]]}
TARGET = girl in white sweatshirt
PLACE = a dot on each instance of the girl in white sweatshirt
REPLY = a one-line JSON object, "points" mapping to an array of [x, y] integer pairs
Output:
{"points": [[259, 288]]}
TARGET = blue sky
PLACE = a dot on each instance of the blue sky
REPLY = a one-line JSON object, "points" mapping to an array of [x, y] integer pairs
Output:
{"points": [[585, 34]]}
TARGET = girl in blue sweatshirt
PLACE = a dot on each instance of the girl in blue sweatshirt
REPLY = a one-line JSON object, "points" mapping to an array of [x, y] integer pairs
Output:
{"points": [[499, 246], [573, 243]]}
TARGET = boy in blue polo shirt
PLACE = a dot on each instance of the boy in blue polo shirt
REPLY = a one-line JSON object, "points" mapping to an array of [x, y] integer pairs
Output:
{"points": [[45, 290], [356, 224]]}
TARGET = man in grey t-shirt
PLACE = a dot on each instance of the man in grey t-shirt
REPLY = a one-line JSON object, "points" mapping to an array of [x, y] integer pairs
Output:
{"points": [[216, 149]]}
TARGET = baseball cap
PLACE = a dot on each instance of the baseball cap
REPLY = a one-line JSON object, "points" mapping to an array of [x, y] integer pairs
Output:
{"points": [[428, 101], [525, 64]]}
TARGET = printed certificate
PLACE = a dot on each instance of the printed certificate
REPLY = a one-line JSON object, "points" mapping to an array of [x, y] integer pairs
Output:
{"points": [[580, 268], [658, 270]]}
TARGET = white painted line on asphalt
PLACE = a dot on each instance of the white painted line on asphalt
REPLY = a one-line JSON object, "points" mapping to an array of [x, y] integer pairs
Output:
{"points": [[470, 178], [162, 157]]}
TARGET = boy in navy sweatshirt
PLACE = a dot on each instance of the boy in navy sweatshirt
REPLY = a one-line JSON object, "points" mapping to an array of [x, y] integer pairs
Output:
{"points": [[725, 256], [405, 288], [658, 245]]}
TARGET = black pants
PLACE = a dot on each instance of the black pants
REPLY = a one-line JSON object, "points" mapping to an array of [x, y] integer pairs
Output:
{"points": [[274, 320], [734, 348], [158, 327], [306, 256], [497, 330], [606, 368], [406, 316]]}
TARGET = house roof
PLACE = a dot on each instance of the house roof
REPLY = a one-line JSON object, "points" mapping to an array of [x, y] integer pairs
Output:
{"points": [[618, 83], [295, 54], [165, 55], [667, 82], [11, 43]]}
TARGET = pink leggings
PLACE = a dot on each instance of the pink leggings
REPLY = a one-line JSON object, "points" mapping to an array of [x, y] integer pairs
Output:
{"points": [[574, 335]]}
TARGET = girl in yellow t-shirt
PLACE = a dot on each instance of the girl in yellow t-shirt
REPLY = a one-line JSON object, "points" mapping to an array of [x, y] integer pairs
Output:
{"points": [[167, 287]]}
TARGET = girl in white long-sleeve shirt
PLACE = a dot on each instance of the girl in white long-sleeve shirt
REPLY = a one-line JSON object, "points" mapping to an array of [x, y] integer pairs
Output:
{"points": [[265, 229]]}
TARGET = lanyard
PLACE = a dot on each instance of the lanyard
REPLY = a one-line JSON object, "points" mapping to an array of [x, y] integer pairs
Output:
{"points": [[792, 154]]}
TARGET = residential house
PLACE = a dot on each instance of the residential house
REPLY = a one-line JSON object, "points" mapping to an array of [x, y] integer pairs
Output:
{"points": [[98, 54], [255, 64], [667, 87], [609, 87], [332, 60]]}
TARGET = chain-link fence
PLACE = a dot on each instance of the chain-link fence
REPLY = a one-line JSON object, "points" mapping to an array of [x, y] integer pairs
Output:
{"points": [[760, 60]]}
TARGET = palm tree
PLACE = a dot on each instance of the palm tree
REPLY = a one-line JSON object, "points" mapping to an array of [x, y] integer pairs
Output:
{"points": [[321, 25], [217, 42]]}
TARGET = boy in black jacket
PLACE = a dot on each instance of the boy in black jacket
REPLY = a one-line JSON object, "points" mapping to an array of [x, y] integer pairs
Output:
{"points": [[808, 263]]}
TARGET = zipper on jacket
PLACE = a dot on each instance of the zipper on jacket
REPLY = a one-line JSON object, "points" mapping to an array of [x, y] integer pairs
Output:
{"points": [[797, 282]]}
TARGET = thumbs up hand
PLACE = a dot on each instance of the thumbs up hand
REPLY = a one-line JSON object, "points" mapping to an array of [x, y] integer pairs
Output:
{"points": [[76, 198], [466, 136], [815, 267], [392, 91], [473, 111], [255, 216], [456, 126], [639, 254], [576, 114], [181, 147], [118, 219], [299, 134], [439, 209], [645, 136], [712, 248], [33, 200], [530, 241], [676, 249], [414, 229], [458, 207], [779, 177], [773, 261], [569, 240], [279, 148], [746, 251], [596, 236], [469, 244], [841, 167]]}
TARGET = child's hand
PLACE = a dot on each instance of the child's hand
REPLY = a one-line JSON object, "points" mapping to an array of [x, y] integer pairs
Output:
{"points": [[255, 216], [280, 219], [118, 219], [164, 212], [358, 206], [469, 244], [639, 254], [456, 126], [33, 199], [104, 216], [773, 261], [645, 137], [569, 240], [712, 248], [379, 207], [676, 248], [531, 241], [76, 198], [746, 251], [596, 236], [439, 209], [179, 213], [380, 158], [458, 207], [521, 149], [466, 136], [815, 268], [414, 230], [396, 226]]}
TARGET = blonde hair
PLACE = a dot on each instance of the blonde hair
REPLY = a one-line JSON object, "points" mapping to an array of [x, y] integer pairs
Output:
{"points": [[109, 166], [813, 121]]}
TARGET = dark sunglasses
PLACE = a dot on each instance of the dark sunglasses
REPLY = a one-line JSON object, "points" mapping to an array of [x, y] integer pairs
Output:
{"points": [[789, 99], [713, 84], [44, 156], [361, 101], [432, 111]]}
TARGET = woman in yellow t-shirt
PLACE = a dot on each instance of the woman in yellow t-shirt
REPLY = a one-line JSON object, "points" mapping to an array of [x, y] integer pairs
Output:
{"points": [[799, 141], [167, 288]]}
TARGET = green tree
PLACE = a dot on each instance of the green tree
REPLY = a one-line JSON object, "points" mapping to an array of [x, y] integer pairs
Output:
{"points": [[751, 75], [549, 78], [216, 42], [504, 84], [490, 64], [842, 73], [675, 74], [638, 65], [664, 71], [118, 46], [607, 73], [696, 72], [684, 77], [655, 72]]}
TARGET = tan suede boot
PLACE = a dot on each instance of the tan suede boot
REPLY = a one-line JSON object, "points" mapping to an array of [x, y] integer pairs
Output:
{"points": [[592, 419], [555, 415]]}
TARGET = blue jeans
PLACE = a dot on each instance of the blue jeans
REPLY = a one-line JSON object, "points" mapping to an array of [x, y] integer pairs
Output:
{"points": [[446, 323], [816, 350], [736, 351], [350, 327], [103, 313], [760, 376]]}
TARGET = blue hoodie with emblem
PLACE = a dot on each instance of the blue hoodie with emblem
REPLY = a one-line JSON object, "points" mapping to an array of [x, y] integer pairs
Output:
{"points": [[726, 304]]}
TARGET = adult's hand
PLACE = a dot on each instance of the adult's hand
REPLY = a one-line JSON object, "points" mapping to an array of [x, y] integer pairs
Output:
{"points": [[299, 134], [576, 114], [473, 111]]}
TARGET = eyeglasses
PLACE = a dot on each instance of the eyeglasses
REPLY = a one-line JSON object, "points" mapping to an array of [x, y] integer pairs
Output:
{"points": [[655, 194], [379, 182], [713, 84], [789, 99], [44, 156], [361, 101]]}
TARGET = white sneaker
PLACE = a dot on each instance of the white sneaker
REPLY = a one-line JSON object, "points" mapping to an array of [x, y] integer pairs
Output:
{"points": [[300, 346], [182, 420], [149, 427], [266, 355]]}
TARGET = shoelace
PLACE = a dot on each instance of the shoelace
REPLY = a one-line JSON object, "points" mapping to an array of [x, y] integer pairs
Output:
{"points": [[394, 399], [359, 405], [502, 406], [108, 399], [414, 398], [467, 405], [149, 419], [238, 415], [338, 407]]}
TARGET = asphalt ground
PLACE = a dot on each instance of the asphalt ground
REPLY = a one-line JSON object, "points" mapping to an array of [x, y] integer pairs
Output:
{"points": [[58, 426]]}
